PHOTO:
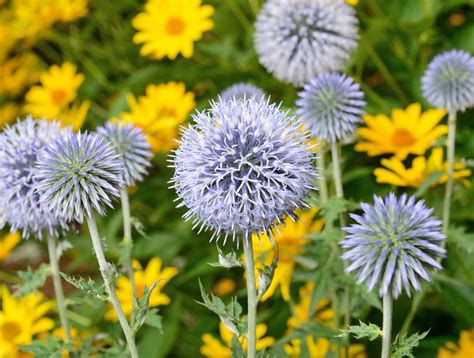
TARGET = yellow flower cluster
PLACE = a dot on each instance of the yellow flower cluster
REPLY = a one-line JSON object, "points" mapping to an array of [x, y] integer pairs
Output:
{"points": [[21, 319], [170, 27], [406, 132], [53, 99], [464, 349], [7, 243], [160, 113], [143, 278]]}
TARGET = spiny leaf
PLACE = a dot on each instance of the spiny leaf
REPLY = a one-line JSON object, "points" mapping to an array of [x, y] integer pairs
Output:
{"points": [[52, 348], [370, 331], [32, 280], [88, 286], [403, 345], [153, 319], [141, 311], [236, 348], [335, 206], [226, 261]]}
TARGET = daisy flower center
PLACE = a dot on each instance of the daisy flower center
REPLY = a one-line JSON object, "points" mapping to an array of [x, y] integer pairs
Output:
{"points": [[57, 96], [175, 26], [402, 138], [10, 330]]}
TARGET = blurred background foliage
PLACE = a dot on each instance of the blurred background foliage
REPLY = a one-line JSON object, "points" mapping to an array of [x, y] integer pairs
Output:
{"points": [[397, 40]]}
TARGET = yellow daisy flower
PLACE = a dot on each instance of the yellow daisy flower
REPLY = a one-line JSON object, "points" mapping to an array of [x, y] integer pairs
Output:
{"points": [[17, 73], [143, 277], [215, 348], [395, 172], [8, 113], [7, 243], [407, 132], [57, 90], [21, 319], [324, 315], [75, 116], [352, 2], [464, 349], [224, 286], [159, 113], [170, 27], [291, 240]]}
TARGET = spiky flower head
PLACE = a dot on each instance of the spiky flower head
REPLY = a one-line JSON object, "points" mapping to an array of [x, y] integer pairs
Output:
{"points": [[298, 39], [78, 173], [132, 146], [331, 105], [20, 146], [243, 167], [395, 242], [449, 81], [242, 91]]}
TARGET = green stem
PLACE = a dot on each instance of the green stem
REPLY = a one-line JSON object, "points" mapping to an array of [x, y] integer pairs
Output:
{"points": [[416, 303], [251, 299], [337, 174], [323, 187], [449, 184], [387, 324], [58, 287], [127, 240], [107, 273]]}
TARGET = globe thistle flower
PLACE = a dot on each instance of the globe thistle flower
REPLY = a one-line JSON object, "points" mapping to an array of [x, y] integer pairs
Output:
{"points": [[20, 204], [449, 81], [242, 168], [78, 173], [298, 39], [331, 105], [133, 148], [242, 91], [395, 242]]}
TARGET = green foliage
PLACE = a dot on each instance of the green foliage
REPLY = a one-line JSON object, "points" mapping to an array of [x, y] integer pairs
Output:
{"points": [[140, 312], [153, 319], [229, 315], [403, 345], [370, 331], [226, 260], [236, 347], [458, 236], [52, 348], [88, 286], [32, 280]]}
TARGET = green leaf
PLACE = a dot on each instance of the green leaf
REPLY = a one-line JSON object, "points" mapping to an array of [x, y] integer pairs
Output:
{"points": [[335, 206], [229, 315], [140, 312], [89, 287], [52, 348], [370, 331], [462, 239], [125, 252], [428, 182], [153, 319], [403, 345], [236, 348], [32, 280], [226, 261]]}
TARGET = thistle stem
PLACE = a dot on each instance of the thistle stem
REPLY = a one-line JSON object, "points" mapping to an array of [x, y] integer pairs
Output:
{"points": [[323, 187], [337, 174], [449, 184], [127, 240], [58, 287], [251, 298], [108, 276], [387, 324]]}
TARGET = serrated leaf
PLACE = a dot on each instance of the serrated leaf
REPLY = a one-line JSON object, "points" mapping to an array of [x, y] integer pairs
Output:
{"points": [[370, 331], [140, 312], [236, 348], [32, 280], [226, 261], [229, 315], [333, 207], [54, 347], [88, 286], [403, 345], [153, 319]]}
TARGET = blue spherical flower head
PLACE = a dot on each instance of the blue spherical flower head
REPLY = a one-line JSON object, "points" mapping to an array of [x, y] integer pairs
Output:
{"points": [[132, 146], [331, 106], [78, 173], [20, 204], [449, 81], [396, 242], [242, 91], [243, 167], [298, 39]]}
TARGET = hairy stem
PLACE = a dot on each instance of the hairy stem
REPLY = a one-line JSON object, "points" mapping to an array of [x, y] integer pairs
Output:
{"points": [[58, 287], [127, 240], [251, 298], [323, 187], [449, 184], [387, 324], [108, 276]]}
